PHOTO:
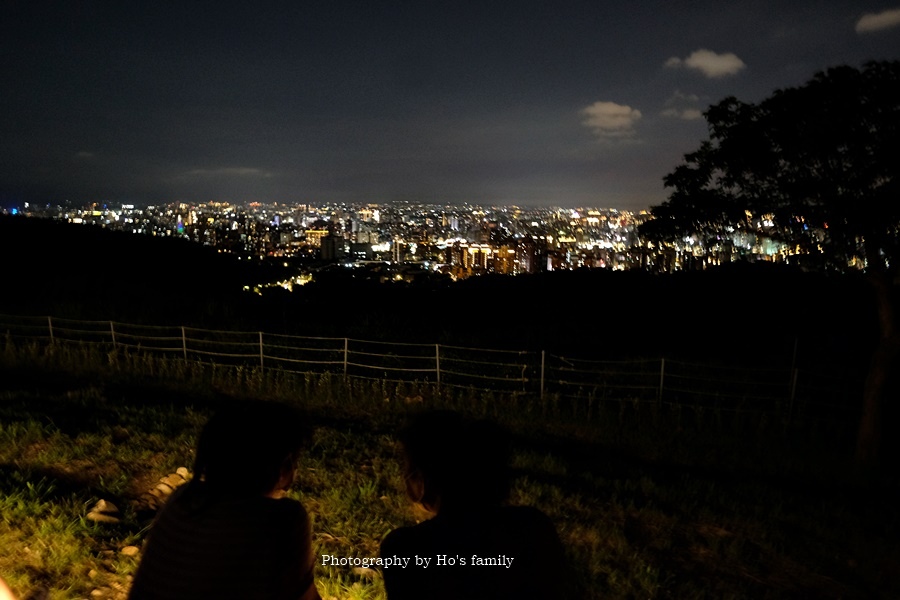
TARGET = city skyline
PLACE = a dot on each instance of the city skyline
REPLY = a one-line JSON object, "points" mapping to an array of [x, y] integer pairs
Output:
{"points": [[574, 104], [409, 241]]}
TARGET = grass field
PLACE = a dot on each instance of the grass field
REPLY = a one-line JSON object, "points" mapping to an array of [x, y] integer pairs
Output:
{"points": [[649, 504]]}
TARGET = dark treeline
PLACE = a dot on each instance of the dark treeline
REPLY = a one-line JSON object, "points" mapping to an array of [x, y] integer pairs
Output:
{"points": [[87, 272], [739, 314]]}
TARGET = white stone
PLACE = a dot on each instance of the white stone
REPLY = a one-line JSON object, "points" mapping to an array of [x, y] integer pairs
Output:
{"points": [[99, 517], [173, 480], [106, 507]]}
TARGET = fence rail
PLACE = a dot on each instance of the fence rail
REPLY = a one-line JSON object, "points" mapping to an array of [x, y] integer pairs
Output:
{"points": [[788, 392]]}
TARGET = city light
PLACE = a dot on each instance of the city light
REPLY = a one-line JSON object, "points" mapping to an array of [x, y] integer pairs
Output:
{"points": [[455, 241]]}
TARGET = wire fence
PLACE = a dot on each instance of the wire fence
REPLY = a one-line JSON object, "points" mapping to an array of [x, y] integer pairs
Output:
{"points": [[787, 392]]}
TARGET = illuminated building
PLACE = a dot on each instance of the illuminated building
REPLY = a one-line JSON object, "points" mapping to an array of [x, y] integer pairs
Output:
{"points": [[314, 237]]}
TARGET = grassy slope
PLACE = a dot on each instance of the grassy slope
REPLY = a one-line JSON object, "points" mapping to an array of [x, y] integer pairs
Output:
{"points": [[648, 505]]}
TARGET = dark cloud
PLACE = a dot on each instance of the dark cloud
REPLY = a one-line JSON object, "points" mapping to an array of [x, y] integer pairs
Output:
{"points": [[564, 102]]}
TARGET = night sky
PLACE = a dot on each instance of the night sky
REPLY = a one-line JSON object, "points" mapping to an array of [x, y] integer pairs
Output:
{"points": [[553, 103]]}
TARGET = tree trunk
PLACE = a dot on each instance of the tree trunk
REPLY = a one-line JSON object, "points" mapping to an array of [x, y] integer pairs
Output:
{"points": [[883, 366]]}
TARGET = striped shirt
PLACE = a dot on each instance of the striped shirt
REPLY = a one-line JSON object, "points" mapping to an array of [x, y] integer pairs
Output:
{"points": [[244, 548]]}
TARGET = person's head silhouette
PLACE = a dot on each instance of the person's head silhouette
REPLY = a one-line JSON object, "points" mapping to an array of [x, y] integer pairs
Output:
{"points": [[453, 463], [250, 449]]}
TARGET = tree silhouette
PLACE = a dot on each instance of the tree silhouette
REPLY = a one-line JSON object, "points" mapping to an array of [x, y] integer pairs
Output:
{"points": [[817, 168]]}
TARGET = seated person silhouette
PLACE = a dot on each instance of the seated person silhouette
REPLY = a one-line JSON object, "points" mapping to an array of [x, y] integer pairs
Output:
{"points": [[457, 469], [229, 533]]}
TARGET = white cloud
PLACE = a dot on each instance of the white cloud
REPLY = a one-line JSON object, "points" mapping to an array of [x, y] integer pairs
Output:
{"points": [[877, 21], [682, 106], [709, 63], [610, 120], [688, 114]]}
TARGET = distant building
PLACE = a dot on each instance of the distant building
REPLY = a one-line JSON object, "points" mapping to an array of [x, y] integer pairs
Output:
{"points": [[361, 252], [314, 237], [332, 247], [505, 260], [527, 255]]}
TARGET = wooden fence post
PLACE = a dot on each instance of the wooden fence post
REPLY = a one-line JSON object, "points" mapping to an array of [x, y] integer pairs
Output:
{"points": [[662, 378], [184, 343], [543, 362], [346, 352], [112, 332], [437, 364], [261, 364], [50, 326]]}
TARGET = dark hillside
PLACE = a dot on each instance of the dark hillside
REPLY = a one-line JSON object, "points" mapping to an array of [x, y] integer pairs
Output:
{"points": [[736, 314], [739, 313], [90, 273]]}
